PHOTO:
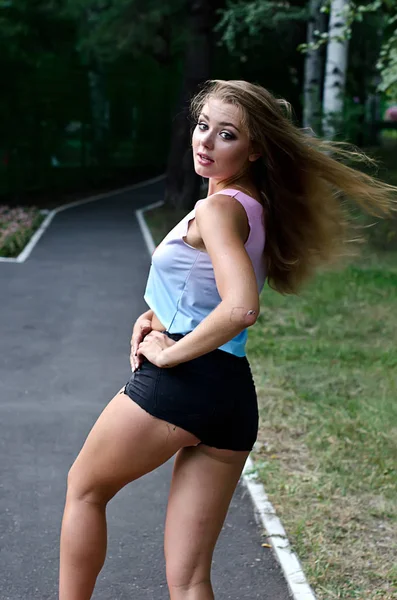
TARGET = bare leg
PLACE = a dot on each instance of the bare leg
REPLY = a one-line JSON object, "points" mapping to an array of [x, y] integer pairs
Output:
{"points": [[124, 444], [203, 483]]}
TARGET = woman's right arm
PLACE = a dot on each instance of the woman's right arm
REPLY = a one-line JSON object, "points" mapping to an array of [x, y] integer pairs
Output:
{"points": [[146, 315], [142, 326]]}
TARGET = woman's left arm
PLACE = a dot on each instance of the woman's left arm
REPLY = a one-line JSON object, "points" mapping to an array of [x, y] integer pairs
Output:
{"points": [[223, 227]]}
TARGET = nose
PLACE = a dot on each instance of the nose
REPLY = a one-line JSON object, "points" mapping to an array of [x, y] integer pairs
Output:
{"points": [[208, 139]]}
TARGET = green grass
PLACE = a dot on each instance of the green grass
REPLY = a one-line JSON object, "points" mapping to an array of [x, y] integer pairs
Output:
{"points": [[325, 366], [161, 220]]}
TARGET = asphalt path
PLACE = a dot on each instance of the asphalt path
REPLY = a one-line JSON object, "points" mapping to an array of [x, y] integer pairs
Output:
{"points": [[65, 324]]}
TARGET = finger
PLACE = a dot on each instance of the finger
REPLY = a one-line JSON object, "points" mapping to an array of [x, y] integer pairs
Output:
{"points": [[137, 339], [140, 331], [135, 361], [157, 334], [144, 344], [154, 335]]}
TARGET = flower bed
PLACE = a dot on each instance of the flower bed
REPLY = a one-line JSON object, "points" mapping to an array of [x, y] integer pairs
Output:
{"points": [[17, 225]]}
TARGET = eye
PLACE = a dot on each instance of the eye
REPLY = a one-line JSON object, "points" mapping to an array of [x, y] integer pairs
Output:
{"points": [[227, 135]]}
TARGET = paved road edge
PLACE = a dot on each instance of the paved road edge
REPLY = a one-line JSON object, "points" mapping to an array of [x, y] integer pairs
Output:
{"points": [[25, 253], [288, 560]]}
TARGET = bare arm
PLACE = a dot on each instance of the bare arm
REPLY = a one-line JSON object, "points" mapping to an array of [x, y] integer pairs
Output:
{"points": [[147, 315], [222, 224]]}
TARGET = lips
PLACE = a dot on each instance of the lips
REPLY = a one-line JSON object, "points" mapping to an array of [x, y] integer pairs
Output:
{"points": [[204, 158]]}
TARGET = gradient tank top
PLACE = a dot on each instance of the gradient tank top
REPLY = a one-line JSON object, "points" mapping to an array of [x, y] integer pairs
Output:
{"points": [[181, 287]]}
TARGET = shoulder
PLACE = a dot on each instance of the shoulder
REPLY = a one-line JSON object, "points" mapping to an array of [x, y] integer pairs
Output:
{"points": [[222, 211], [217, 199], [221, 205]]}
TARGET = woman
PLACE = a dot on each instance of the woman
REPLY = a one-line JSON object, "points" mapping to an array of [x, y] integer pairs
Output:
{"points": [[191, 392]]}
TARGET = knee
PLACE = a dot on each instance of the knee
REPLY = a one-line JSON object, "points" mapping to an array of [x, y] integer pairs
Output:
{"points": [[83, 486], [78, 487]]}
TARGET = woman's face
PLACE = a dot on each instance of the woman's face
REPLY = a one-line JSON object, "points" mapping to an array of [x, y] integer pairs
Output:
{"points": [[221, 146]]}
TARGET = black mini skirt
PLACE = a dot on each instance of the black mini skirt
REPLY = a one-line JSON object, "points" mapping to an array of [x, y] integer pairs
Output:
{"points": [[212, 396]]}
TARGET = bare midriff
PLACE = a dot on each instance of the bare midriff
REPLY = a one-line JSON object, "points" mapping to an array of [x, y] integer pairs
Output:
{"points": [[157, 324]]}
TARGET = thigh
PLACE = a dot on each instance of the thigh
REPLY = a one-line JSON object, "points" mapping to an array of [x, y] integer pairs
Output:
{"points": [[125, 443], [202, 486]]}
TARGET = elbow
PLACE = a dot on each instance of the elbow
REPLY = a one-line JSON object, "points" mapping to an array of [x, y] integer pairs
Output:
{"points": [[244, 316], [251, 317]]}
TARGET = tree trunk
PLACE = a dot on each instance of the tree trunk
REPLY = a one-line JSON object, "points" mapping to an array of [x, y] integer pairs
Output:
{"points": [[313, 70], [182, 183], [98, 100], [336, 65]]}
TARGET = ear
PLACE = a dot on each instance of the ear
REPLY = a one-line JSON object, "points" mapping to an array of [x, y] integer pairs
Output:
{"points": [[254, 157]]}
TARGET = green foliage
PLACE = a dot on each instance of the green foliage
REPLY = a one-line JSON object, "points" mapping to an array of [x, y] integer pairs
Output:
{"points": [[24, 225], [388, 61], [60, 67], [387, 23], [351, 13], [37, 60], [110, 30], [251, 18], [352, 121]]}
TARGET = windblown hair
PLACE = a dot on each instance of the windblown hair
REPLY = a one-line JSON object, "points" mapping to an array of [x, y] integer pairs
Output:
{"points": [[305, 187]]}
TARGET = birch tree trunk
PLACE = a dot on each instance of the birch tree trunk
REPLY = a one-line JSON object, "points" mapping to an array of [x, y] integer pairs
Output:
{"points": [[313, 70], [336, 66]]}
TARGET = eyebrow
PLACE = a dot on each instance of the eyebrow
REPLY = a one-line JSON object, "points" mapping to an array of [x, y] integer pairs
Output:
{"points": [[223, 123]]}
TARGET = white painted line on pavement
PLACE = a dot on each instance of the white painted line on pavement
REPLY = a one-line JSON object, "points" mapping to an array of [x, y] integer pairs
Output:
{"points": [[289, 562], [35, 238], [143, 225], [37, 235]]}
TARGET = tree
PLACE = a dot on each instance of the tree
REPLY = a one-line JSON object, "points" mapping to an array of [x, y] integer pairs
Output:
{"points": [[336, 66], [36, 56], [111, 31], [254, 17], [387, 63], [249, 19], [182, 183], [313, 68], [344, 13], [167, 31]]}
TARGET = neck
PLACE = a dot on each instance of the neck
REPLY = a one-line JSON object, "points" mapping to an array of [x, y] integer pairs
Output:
{"points": [[243, 184]]}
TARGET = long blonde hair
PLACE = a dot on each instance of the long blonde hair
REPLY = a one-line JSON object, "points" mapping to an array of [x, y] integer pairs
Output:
{"points": [[305, 191]]}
